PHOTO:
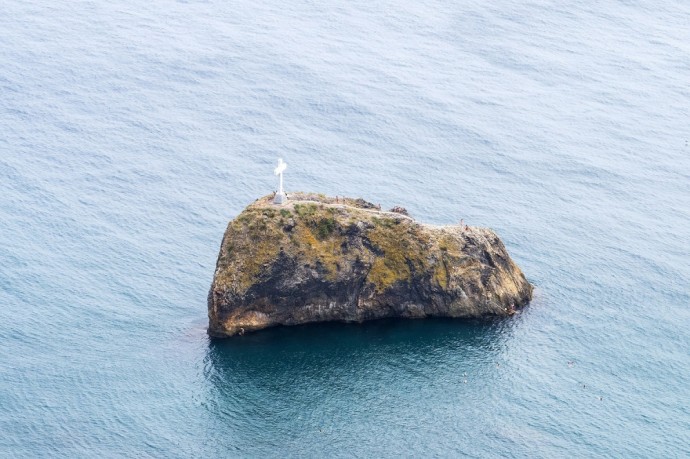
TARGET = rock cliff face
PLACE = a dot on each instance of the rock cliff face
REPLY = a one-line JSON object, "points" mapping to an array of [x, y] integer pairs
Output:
{"points": [[314, 259]]}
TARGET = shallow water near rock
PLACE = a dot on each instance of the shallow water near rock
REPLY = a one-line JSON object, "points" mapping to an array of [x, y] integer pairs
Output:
{"points": [[130, 134]]}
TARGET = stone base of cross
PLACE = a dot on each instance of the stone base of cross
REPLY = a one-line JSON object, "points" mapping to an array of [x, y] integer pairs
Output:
{"points": [[279, 198]]}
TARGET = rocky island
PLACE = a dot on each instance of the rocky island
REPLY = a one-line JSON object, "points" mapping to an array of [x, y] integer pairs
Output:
{"points": [[315, 258]]}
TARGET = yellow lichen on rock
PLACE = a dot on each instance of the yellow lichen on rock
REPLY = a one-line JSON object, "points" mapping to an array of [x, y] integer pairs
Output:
{"points": [[440, 275], [252, 241], [392, 239]]}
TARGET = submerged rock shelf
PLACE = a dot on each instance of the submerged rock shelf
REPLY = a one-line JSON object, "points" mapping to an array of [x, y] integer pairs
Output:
{"points": [[316, 258]]}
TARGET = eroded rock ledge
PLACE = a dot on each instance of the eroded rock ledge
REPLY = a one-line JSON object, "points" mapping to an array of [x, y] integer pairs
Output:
{"points": [[314, 259]]}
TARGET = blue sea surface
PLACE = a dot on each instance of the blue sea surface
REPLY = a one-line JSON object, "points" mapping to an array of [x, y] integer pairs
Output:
{"points": [[131, 132]]}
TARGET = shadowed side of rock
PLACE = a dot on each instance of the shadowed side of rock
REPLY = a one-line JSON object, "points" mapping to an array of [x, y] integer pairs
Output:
{"points": [[314, 259]]}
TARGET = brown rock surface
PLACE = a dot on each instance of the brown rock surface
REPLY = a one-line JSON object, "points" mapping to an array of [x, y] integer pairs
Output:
{"points": [[314, 259]]}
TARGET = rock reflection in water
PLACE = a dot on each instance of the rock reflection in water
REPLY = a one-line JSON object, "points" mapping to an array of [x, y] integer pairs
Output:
{"points": [[316, 389]]}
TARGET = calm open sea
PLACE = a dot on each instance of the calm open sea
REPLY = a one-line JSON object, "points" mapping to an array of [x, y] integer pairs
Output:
{"points": [[131, 132]]}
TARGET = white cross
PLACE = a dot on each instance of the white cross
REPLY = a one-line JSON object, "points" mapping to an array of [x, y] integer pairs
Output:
{"points": [[280, 195]]}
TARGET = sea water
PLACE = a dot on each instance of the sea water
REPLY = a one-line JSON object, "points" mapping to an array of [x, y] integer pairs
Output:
{"points": [[132, 132]]}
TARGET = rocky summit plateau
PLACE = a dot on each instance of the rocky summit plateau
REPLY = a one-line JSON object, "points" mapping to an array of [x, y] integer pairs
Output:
{"points": [[315, 258]]}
